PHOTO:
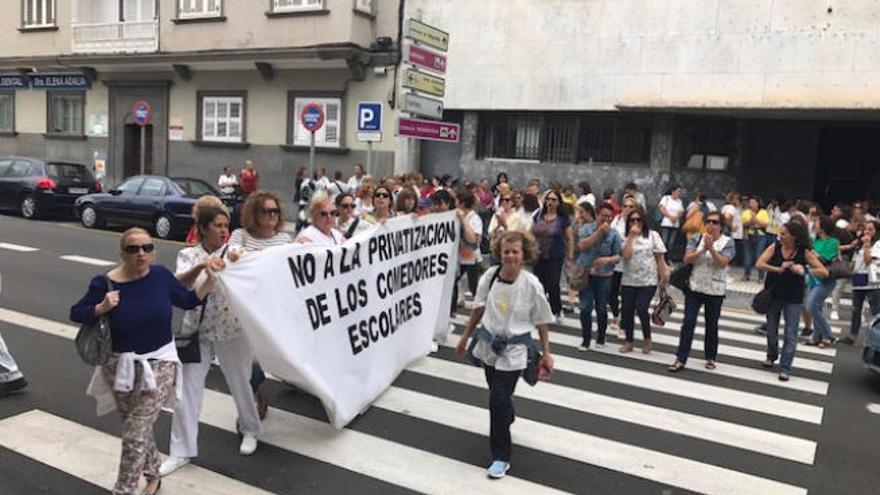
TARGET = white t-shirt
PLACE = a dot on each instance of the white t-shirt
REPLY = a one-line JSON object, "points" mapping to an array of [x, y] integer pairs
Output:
{"points": [[589, 198], [315, 236], [619, 224], [841, 223], [640, 270], [736, 226], [322, 184], [336, 188], [511, 309], [354, 184], [859, 266], [673, 207], [468, 255], [227, 183]]}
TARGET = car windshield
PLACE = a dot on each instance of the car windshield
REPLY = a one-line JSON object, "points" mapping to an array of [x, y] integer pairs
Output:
{"points": [[194, 187], [68, 171]]}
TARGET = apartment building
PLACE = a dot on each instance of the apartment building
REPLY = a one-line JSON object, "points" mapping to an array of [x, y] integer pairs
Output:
{"points": [[224, 81], [756, 95]]}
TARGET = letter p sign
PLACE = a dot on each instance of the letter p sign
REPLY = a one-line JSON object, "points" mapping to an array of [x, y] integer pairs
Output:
{"points": [[369, 116]]}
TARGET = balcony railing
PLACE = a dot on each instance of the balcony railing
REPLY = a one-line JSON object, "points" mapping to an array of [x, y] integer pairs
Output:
{"points": [[116, 37]]}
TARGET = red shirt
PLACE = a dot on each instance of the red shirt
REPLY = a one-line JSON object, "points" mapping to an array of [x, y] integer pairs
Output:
{"points": [[248, 181]]}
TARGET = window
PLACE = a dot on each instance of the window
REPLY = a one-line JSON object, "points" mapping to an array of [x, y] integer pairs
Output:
{"points": [[7, 112], [328, 136], [19, 169], [130, 187], [138, 10], [5, 165], [706, 144], [190, 9], [365, 6], [65, 113], [296, 5], [37, 13], [222, 118], [510, 136], [152, 188]]}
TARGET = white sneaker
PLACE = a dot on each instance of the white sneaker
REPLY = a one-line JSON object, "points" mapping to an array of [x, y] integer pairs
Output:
{"points": [[583, 348], [434, 346], [172, 464], [835, 315], [248, 444], [621, 334]]}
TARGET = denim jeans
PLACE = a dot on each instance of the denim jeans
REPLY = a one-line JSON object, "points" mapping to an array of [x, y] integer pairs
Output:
{"points": [[668, 235], [8, 368], [858, 301], [501, 412], [595, 294], [755, 245], [692, 302], [636, 300], [816, 305], [792, 314]]}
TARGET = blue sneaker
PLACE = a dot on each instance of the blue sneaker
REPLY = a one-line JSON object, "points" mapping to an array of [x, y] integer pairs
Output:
{"points": [[498, 469]]}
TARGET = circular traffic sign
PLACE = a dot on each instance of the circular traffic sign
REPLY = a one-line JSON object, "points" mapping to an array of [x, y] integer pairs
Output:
{"points": [[142, 112], [312, 117]]}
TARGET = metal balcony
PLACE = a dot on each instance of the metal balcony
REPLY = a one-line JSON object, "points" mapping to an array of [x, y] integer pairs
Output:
{"points": [[116, 37]]}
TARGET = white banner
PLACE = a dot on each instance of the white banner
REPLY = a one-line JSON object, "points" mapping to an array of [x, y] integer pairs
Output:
{"points": [[341, 322]]}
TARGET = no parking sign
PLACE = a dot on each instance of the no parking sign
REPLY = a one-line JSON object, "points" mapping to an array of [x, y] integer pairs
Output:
{"points": [[312, 117]]}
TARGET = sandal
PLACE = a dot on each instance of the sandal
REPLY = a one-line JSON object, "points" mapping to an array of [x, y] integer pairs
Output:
{"points": [[710, 365], [627, 347], [156, 490], [676, 367]]}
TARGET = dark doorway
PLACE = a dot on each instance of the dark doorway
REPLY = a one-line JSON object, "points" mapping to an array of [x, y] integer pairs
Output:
{"points": [[848, 167], [131, 146]]}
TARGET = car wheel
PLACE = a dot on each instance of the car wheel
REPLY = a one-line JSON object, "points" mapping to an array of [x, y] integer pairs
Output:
{"points": [[163, 227], [88, 216], [29, 207]]}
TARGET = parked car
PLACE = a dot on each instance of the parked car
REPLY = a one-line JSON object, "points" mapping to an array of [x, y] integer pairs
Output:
{"points": [[153, 201], [871, 351], [35, 187]]}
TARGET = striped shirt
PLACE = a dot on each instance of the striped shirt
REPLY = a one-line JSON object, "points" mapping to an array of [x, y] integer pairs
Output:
{"points": [[241, 238]]}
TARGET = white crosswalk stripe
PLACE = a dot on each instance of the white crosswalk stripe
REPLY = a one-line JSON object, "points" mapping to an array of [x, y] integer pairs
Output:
{"points": [[87, 260], [17, 247], [724, 411]]}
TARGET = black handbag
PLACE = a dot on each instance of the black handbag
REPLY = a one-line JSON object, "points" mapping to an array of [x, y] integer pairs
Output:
{"points": [[94, 342], [762, 301], [188, 350], [681, 276], [839, 268]]}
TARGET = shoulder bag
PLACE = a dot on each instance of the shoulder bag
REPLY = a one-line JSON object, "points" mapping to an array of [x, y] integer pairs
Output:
{"points": [[94, 341], [663, 310], [762, 301], [578, 277], [188, 350]]}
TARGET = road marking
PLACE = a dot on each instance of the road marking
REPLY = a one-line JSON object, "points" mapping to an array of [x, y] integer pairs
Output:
{"points": [[635, 461], [366, 454], [112, 233], [17, 247], [665, 359], [93, 455], [874, 408], [664, 419], [44, 325], [87, 260]]}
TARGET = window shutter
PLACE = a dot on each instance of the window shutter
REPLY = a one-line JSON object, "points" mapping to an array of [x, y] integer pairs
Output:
{"points": [[366, 6], [331, 123]]}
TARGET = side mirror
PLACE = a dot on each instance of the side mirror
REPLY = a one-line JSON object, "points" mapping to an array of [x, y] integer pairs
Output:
{"points": [[115, 192]]}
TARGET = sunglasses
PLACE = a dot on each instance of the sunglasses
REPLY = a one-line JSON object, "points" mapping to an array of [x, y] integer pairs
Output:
{"points": [[635, 219], [551, 199], [381, 195], [135, 248], [270, 211], [713, 222], [327, 214], [347, 206]]}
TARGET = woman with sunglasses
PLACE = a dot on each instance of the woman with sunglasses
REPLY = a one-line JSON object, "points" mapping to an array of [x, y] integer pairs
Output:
{"points": [[219, 334], [643, 270], [347, 223], [382, 209], [865, 283], [710, 254], [505, 217], [322, 231], [141, 374], [555, 238], [261, 220], [629, 205]]}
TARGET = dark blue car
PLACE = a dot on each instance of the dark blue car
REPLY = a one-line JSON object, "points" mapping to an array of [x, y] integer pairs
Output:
{"points": [[163, 204]]}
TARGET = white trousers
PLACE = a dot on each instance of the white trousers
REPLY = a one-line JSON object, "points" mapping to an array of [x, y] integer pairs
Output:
{"points": [[8, 368], [236, 359]]}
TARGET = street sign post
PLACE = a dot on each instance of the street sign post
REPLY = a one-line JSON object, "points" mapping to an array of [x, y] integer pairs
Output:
{"points": [[423, 106], [446, 132], [424, 58], [142, 115], [312, 118], [369, 127], [424, 82], [427, 35]]}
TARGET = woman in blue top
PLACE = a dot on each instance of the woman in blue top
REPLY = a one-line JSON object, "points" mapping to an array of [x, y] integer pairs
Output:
{"points": [[555, 238], [599, 247], [143, 370]]}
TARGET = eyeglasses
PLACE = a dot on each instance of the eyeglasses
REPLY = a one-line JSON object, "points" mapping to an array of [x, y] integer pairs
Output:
{"points": [[135, 248], [327, 214], [635, 219], [713, 222], [381, 195], [347, 206], [270, 211]]}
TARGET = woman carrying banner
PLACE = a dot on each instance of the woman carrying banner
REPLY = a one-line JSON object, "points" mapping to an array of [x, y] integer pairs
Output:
{"points": [[261, 218], [382, 209], [510, 303], [141, 374], [219, 334], [347, 223], [322, 213]]}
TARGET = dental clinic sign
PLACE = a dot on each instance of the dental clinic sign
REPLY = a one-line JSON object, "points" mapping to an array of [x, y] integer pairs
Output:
{"points": [[60, 81]]}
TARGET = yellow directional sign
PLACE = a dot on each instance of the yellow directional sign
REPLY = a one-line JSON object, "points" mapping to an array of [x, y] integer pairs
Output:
{"points": [[427, 35], [426, 83]]}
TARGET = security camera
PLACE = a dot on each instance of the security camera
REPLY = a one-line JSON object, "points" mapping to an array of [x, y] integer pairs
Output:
{"points": [[380, 71]]}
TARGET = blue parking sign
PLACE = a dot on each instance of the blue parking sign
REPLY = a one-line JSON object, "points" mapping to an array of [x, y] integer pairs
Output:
{"points": [[369, 116]]}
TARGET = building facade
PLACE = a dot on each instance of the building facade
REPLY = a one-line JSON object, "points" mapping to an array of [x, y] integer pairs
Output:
{"points": [[763, 96], [224, 80]]}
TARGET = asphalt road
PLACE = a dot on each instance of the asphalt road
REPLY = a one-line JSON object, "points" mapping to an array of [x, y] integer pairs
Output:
{"points": [[607, 423]]}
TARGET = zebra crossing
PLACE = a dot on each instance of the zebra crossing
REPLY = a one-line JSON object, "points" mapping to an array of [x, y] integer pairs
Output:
{"points": [[606, 423]]}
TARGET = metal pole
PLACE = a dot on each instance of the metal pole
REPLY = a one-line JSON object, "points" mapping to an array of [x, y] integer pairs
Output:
{"points": [[312, 156], [143, 149], [369, 157]]}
